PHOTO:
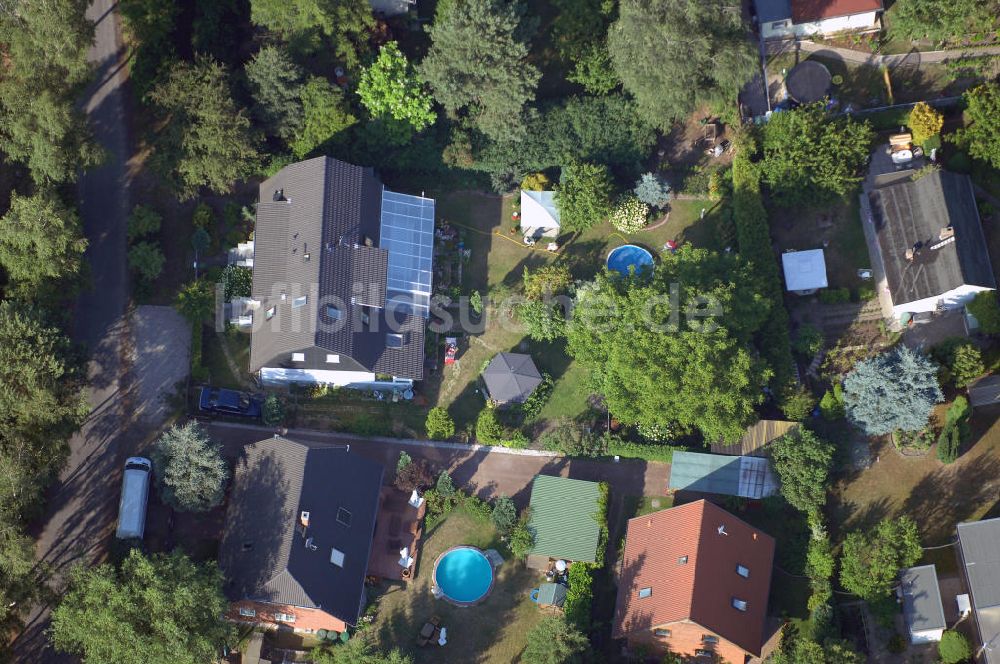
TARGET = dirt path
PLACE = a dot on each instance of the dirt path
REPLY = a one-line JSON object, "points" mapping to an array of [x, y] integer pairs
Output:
{"points": [[891, 60]]}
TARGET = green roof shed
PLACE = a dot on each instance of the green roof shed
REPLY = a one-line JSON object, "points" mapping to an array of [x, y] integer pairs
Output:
{"points": [[564, 515]]}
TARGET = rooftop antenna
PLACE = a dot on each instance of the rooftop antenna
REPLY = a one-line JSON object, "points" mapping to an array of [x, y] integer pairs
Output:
{"points": [[722, 530]]}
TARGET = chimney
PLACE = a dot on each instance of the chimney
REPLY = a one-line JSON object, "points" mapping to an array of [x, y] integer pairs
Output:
{"points": [[946, 232], [304, 519], [310, 544]]}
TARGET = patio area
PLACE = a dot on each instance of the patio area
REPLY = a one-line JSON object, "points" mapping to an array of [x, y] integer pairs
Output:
{"points": [[399, 526]]}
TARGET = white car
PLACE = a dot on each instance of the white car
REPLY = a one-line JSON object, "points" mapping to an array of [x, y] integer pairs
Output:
{"points": [[135, 492]]}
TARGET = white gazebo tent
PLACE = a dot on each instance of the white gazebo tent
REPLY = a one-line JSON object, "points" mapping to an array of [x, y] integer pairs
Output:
{"points": [[539, 214], [805, 271]]}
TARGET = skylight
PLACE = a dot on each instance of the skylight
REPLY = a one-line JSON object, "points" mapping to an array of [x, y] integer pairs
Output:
{"points": [[408, 236]]}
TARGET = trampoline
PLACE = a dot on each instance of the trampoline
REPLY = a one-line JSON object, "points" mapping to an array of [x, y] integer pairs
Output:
{"points": [[808, 81]]}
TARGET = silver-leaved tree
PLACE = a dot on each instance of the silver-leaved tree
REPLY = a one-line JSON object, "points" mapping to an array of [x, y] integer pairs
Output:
{"points": [[894, 391]]}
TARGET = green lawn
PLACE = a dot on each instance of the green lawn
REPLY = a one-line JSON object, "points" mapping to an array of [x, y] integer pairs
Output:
{"points": [[492, 632], [214, 359], [496, 265], [643, 505], [838, 224]]}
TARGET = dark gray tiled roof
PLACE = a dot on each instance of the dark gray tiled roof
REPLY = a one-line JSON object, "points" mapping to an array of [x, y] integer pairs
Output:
{"points": [[320, 239], [908, 211], [922, 607], [263, 552], [979, 542], [511, 377]]}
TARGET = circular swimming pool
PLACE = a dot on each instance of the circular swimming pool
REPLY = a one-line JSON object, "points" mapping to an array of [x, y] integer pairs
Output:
{"points": [[463, 574], [626, 256]]}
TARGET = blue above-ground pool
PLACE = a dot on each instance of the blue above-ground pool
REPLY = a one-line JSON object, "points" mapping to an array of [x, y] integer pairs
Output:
{"points": [[629, 255], [463, 574]]}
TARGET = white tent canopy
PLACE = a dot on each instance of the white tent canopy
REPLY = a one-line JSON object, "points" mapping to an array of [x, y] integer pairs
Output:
{"points": [[804, 270], [539, 214]]}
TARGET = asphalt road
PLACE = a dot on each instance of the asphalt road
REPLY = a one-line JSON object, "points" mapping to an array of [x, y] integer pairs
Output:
{"points": [[81, 505]]}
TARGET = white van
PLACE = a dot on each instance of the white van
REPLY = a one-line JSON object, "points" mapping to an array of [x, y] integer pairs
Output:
{"points": [[135, 491]]}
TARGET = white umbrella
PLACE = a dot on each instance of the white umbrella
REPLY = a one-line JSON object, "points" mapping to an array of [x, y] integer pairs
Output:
{"points": [[561, 565], [443, 639]]}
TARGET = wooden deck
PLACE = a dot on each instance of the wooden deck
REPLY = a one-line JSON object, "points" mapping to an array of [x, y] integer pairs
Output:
{"points": [[399, 525]]}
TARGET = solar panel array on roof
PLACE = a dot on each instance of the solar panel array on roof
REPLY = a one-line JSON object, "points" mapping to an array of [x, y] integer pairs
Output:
{"points": [[408, 235]]}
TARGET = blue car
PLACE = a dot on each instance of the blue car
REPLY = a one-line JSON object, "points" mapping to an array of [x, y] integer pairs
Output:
{"points": [[229, 402]]}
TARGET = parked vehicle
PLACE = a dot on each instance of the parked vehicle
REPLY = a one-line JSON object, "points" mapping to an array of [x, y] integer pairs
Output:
{"points": [[135, 493], [229, 402]]}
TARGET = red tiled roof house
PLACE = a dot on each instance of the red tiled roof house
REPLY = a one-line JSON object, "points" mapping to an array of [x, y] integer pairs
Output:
{"points": [[695, 580], [785, 19]]}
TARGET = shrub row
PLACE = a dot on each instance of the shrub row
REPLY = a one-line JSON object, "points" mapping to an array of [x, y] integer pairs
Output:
{"points": [[630, 450], [199, 373], [754, 237]]}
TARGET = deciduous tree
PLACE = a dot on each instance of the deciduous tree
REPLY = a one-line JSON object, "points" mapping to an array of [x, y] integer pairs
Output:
{"points": [[190, 471], [142, 222], [162, 608], [583, 195], [894, 391], [660, 354], [196, 300], [555, 641], [981, 135], [674, 55], [146, 259], [389, 88], [954, 647], [205, 138], [802, 460], [924, 122], [811, 158], [986, 310], [478, 65], [504, 514], [439, 424], [870, 561], [344, 24], [932, 19]]}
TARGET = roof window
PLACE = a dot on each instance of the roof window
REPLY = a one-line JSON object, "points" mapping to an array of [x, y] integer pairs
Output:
{"points": [[332, 359], [739, 604], [344, 517], [299, 302], [269, 314], [743, 571], [661, 632], [645, 592], [394, 341], [683, 560], [337, 557], [298, 357], [333, 312]]}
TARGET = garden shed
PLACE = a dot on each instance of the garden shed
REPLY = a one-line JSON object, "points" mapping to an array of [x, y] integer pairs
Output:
{"points": [[539, 214], [510, 378], [922, 608], [564, 520], [551, 594], [805, 271]]}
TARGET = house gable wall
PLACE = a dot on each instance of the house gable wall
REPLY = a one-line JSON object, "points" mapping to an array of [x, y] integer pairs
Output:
{"points": [[864, 21], [953, 299]]}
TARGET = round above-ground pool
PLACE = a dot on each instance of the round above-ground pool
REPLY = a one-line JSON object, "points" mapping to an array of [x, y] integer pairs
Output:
{"points": [[627, 256], [463, 574]]}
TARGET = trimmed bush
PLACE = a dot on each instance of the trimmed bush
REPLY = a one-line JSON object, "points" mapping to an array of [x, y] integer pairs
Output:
{"points": [[439, 424], [629, 215], [629, 450], [954, 647]]}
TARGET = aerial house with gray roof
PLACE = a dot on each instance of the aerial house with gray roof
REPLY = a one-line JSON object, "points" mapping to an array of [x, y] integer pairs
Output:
{"points": [[929, 251], [341, 278], [979, 561]]}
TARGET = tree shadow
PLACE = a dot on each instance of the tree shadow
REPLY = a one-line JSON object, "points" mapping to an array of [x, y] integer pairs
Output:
{"points": [[947, 496]]}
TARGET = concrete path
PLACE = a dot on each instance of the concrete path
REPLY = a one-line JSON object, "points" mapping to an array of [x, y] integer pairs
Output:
{"points": [[891, 60], [81, 506]]}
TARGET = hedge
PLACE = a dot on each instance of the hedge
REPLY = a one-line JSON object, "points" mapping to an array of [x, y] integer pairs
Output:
{"points": [[199, 373], [629, 450], [753, 234]]}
